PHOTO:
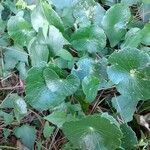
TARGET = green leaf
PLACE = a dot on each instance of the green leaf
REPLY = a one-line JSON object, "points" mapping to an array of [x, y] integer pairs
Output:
{"points": [[146, 34], [20, 30], [16, 102], [93, 133], [132, 38], [68, 146], [64, 87], [59, 118], [55, 40], [20, 105], [6, 132], [63, 3], [83, 68], [110, 118], [91, 39], [129, 140], [27, 134], [48, 130], [8, 101], [144, 11], [130, 2], [130, 72], [12, 55], [20, 108], [64, 54], [90, 86], [38, 50], [125, 106], [51, 16], [88, 12], [21, 67], [7, 117], [135, 36], [38, 18], [43, 15], [45, 89], [114, 23]]}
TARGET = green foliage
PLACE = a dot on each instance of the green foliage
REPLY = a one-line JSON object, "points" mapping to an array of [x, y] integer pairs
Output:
{"points": [[91, 39], [125, 106], [48, 130], [27, 134], [129, 140], [115, 25], [131, 79], [66, 64], [45, 89], [93, 133]]}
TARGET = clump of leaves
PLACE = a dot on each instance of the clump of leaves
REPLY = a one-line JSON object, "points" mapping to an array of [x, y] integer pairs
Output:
{"points": [[83, 74]]}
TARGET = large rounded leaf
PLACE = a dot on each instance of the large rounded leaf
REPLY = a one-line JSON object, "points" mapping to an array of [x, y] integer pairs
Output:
{"points": [[115, 21], [91, 39], [63, 87], [93, 133], [130, 74], [45, 89]]}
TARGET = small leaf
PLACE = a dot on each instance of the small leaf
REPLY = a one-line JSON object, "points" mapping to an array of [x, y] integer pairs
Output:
{"points": [[38, 50], [16, 102], [65, 55], [144, 11], [83, 68], [132, 38], [59, 118], [129, 140], [8, 117], [88, 12], [146, 34], [91, 39], [13, 55], [93, 133], [52, 17], [114, 23], [48, 130], [125, 106], [27, 134], [90, 86], [38, 19], [6, 132], [130, 2], [63, 3], [20, 30], [135, 37], [55, 40], [20, 106]]}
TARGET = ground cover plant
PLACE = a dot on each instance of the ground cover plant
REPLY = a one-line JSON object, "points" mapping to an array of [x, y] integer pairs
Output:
{"points": [[75, 74]]}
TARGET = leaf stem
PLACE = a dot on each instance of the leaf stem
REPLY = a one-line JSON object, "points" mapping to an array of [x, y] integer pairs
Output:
{"points": [[8, 147]]}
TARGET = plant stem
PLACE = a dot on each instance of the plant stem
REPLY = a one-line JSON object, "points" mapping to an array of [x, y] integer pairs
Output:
{"points": [[8, 147]]}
